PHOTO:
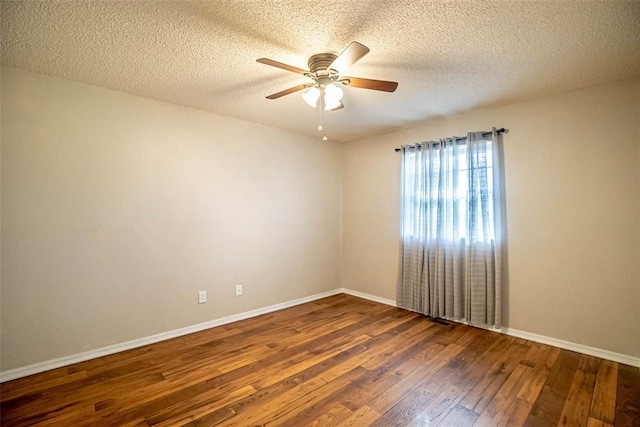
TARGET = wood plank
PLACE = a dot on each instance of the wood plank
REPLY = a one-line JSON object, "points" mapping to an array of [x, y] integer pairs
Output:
{"points": [[458, 376], [311, 360], [628, 396], [191, 409], [397, 358], [322, 401], [592, 422], [459, 416], [32, 384], [424, 396], [516, 413], [480, 396], [214, 418], [548, 406], [275, 362], [397, 394], [75, 414], [603, 402], [377, 382], [437, 409], [341, 360], [350, 363], [304, 398], [235, 379], [499, 405], [66, 396], [576, 407], [332, 416], [364, 416], [287, 390], [541, 369]]}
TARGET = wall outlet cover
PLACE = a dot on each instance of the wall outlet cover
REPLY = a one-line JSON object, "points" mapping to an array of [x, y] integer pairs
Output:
{"points": [[202, 297]]}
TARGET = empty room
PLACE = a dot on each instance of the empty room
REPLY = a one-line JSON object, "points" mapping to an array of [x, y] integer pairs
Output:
{"points": [[320, 213]]}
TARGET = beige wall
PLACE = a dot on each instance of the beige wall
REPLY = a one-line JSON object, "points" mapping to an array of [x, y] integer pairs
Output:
{"points": [[117, 210], [573, 212]]}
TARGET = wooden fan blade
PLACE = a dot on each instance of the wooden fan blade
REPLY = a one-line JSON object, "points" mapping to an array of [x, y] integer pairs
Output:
{"points": [[348, 57], [277, 64], [382, 85], [288, 91]]}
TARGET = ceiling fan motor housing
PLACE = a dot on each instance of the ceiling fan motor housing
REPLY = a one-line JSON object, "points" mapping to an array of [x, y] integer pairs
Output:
{"points": [[320, 62]]}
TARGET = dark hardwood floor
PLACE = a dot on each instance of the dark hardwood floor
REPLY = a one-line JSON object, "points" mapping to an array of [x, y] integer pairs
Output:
{"points": [[333, 362]]}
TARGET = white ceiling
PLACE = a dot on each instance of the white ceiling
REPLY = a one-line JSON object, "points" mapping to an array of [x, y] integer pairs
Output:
{"points": [[448, 57]]}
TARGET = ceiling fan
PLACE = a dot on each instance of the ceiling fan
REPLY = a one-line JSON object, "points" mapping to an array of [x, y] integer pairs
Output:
{"points": [[326, 69]]}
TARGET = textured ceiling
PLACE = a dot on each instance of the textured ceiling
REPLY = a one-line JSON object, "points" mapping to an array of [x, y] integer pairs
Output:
{"points": [[448, 57]]}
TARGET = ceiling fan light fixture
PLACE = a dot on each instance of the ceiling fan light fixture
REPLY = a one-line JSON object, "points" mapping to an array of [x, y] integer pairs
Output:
{"points": [[331, 105], [333, 95], [326, 69], [311, 96]]}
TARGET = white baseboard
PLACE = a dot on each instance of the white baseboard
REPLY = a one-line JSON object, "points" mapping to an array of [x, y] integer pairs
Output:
{"points": [[578, 348], [368, 297], [116, 348], [566, 345], [36, 368]]}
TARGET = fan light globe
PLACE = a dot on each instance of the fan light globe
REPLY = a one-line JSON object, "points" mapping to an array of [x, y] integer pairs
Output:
{"points": [[311, 96], [332, 96], [331, 105]]}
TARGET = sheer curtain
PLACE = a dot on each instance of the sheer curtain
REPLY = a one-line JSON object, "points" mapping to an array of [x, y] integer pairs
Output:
{"points": [[450, 256]]}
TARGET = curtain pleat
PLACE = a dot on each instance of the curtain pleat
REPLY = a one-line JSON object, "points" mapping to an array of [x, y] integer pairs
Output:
{"points": [[451, 231]]}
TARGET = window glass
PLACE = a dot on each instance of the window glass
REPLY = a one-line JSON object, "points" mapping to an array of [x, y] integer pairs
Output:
{"points": [[436, 199]]}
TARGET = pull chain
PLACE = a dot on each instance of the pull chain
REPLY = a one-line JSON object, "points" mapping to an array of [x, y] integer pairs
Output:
{"points": [[323, 122]]}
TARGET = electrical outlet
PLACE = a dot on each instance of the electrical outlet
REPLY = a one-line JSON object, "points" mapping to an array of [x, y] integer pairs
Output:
{"points": [[202, 297], [238, 290]]}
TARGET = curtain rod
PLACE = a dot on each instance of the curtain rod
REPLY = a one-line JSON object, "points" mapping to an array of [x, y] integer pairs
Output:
{"points": [[462, 138]]}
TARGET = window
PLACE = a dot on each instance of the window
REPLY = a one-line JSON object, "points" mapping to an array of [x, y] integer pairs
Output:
{"points": [[441, 198], [450, 260]]}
